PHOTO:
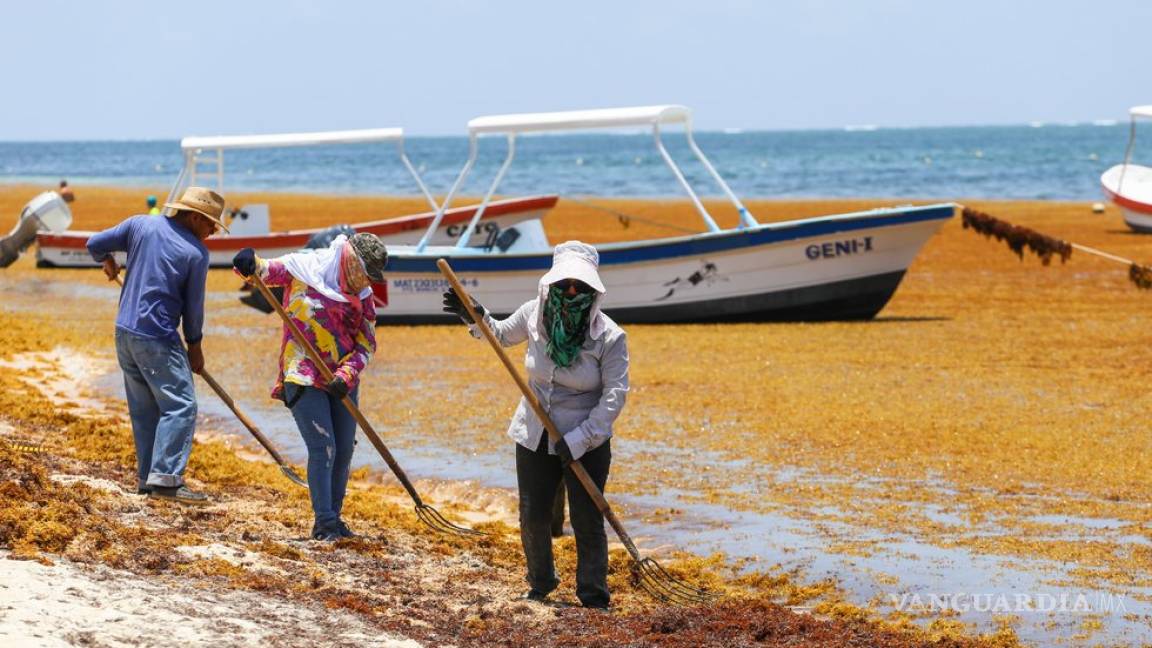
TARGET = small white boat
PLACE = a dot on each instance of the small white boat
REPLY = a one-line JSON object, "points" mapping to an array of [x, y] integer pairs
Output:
{"points": [[250, 225], [838, 267], [1129, 186]]}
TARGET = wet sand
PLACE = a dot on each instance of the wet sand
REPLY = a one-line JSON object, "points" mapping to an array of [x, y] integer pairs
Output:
{"points": [[984, 434]]}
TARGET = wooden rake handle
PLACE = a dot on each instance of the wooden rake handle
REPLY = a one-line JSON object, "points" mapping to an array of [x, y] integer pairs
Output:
{"points": [[314, 356], [575, 466], [248, 423]]}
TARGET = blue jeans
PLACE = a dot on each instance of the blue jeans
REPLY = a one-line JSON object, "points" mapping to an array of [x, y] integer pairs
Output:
{"points": [[329, 432], [161, 403]]}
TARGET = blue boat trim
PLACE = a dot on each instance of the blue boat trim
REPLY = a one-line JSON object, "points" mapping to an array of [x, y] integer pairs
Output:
{"points": [[709, 243]]}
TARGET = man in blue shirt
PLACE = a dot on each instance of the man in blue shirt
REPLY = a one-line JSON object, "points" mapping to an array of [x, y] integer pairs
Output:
{"points": [[167, 270]]}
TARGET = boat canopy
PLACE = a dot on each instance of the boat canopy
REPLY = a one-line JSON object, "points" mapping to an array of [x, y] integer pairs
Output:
{"points": [[293, 139], [580, 119], [199, 151], [646, 116], [1141, 111]]}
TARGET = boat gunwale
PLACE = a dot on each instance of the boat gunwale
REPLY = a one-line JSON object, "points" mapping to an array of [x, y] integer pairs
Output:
{"points": [[626, 252], [286, 238]]}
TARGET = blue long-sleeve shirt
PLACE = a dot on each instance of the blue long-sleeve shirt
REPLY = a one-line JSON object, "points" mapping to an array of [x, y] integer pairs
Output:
{"points": [[167, 269]]}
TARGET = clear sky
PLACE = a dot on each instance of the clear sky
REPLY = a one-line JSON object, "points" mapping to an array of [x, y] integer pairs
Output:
{"points": [[138, 69]]}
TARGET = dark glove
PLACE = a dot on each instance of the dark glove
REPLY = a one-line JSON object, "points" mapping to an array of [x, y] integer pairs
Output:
{"points": [[338, 387], [564, 452], [452, 304], [245, 262]]}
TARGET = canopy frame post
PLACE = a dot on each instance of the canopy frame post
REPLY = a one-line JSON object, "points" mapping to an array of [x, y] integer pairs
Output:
{"points": [[415, 175], [181, 180], [1127, 153], [708, 220], [746, 217], [473, 152], [466, 235], [1134, 114]]}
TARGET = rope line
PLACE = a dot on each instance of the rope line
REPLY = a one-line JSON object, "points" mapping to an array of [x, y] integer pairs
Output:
{"points": [[625, 219]]}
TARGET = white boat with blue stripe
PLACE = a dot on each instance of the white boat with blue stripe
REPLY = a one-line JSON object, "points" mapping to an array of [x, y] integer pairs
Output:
{"points": [[840, 267]]}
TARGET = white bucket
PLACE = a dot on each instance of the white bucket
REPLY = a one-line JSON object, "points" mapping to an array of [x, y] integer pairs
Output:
{"points": [[51, 210]]}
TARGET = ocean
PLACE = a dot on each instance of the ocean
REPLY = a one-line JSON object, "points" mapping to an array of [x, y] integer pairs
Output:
{"points": [[1049, 162]]}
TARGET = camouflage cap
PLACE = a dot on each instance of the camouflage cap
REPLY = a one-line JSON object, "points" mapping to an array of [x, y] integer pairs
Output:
{"points": [[372, 252]]}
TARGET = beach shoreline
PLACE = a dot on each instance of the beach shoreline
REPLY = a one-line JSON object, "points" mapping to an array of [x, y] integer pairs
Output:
{"points": [[830, 477]]}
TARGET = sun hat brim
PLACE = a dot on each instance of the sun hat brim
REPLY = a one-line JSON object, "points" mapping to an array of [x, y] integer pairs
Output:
{"points": [[574, 268], [185, 206]]}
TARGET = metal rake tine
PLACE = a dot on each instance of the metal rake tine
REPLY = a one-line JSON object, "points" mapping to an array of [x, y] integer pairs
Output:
{"points": [[438, 522], [660, 591], [662, 584], [678, 585], [291, 475], [670, 593], [659, 594], [658, 569]]}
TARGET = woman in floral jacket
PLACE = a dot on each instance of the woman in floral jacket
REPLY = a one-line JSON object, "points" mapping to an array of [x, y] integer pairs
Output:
{"points": [[329, 299]]}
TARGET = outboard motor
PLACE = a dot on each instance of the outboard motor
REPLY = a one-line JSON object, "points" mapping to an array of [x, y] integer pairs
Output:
{"points": [[46, 212], [324, 237]]}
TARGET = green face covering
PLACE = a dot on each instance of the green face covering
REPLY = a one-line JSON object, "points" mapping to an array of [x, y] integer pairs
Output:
{"points": [[566, 318]]}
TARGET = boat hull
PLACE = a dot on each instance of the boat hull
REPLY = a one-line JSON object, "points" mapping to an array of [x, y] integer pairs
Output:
{"points": [[69, 248], [843, 267], [1129, 187]]}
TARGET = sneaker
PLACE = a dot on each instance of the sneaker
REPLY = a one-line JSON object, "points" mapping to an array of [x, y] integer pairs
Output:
{"points": [[534, 595], [343, 530], [143, 490], [181, 494], [326, 534]]}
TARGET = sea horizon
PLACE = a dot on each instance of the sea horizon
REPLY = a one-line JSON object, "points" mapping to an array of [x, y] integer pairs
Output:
{"points": [[1058, 161]]}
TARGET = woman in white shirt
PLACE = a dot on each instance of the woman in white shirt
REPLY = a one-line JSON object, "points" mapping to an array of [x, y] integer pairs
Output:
{"points": [[577, 363]]}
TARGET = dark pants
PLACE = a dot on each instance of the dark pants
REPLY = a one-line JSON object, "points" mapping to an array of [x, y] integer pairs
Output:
{"points": [[329, 432], [558, 511], [539, 475]]}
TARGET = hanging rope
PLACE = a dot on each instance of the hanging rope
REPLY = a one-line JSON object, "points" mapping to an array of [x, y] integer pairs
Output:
{"points": [[626, 219], [1045, 247]]}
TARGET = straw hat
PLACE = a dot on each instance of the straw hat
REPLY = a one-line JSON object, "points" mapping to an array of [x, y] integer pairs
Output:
{"points": [[575, 260], [202, 201]]}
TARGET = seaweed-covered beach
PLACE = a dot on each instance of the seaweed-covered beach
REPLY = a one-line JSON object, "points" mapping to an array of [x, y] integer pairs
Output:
{"points": [[984, 436]]}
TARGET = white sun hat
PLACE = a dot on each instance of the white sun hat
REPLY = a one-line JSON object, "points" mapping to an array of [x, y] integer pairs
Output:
{"points": [[575, 260]]}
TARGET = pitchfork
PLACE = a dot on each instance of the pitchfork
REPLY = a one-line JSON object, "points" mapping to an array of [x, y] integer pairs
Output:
{"points": [[256, 433], [653, 578], [427, 514]]}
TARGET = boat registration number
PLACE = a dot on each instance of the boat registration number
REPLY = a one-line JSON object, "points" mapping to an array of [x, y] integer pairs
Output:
{"points": [[429, 285], [834, 249]]}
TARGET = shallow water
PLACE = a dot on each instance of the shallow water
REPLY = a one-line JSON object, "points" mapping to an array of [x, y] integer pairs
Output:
{"points": [[894, 570]]}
